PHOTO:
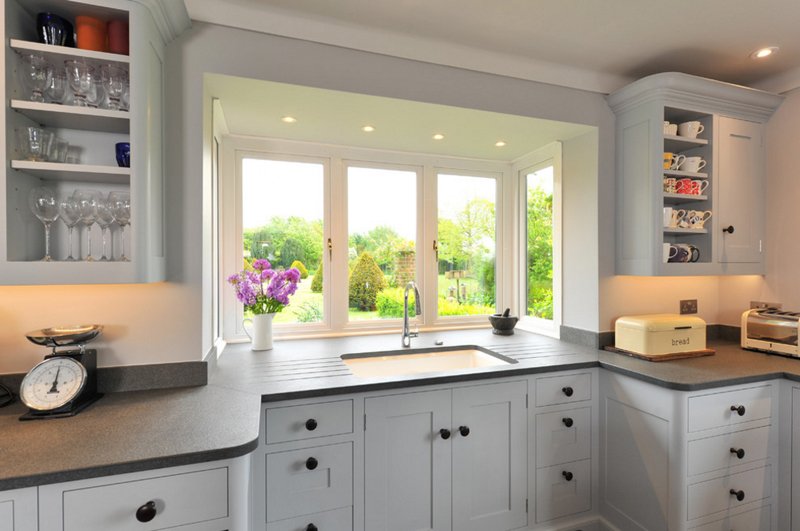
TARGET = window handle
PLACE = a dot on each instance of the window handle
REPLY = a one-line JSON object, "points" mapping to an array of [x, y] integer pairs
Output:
{"points": [[330, 249], [436, 249]]}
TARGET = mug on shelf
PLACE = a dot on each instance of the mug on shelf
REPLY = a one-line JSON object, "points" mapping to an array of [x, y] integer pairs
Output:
{"points": [[670, 129], [690, 129], [669, 252], [693, 164], [91, 33], [675, 217], [699, 186], [697, 218], [673, 161], [678, 253], [692, 252], [683, 186], [670, 184]]}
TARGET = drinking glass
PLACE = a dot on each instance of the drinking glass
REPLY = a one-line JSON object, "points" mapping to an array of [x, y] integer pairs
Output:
{"points": [[115, 79], [120, 204], [36, 73], [81, 79], [96, 96], [104, 220], [56, 90], [87, 214], [70, 214], [45, 207], [58, 150], [35, 143]]}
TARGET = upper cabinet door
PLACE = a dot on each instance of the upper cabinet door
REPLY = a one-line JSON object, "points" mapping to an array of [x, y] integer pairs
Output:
{"points": [[741, 191]]}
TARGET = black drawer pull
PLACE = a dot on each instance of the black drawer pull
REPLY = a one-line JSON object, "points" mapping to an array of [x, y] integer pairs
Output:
{"points": [[738, 409], [567, 475], [568, 422], [739, 452], [567, 391], [738, 493], [311, 463], [463, 430], [311, 424], [445, 433], [146, 512], [311, 527]]}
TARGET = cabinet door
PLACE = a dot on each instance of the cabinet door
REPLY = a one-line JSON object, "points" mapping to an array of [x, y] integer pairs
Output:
{"points": [[18, 510], [490, 461], [740, 183], [407, 462]]}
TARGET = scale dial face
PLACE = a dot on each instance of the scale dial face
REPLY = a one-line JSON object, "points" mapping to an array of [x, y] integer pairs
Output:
{"points": [[53, 383]]}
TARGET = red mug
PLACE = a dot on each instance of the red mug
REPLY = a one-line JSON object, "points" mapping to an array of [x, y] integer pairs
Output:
{"points": [[684, 186], [118, 37]]}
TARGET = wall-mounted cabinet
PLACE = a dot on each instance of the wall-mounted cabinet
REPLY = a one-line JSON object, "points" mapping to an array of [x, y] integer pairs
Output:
{"points": [[690, 198], [88, 161]]}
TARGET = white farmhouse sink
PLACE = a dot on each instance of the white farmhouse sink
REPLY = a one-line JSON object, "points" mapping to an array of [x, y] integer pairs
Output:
{"points": [[429, 360]]}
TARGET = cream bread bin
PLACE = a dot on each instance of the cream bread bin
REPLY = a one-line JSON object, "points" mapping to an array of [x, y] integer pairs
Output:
{"points": [[663, 333]]}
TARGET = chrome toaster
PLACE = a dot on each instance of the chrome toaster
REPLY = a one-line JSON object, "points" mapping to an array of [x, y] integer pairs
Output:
{"points": [[771, 330]]}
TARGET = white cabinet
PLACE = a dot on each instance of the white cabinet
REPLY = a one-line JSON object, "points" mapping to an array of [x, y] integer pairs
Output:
{"points": [[733, 178], [18, 510], [424, 449]]}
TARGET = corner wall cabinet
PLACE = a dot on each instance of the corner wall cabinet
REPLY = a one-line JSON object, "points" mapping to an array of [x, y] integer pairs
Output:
{"points": [[731, 183], [91, 163]]}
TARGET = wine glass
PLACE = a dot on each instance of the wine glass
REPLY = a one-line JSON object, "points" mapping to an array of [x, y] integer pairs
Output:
{"points": [[104, 219], [56, 90], [36, 73], [68, 210], [81, 79], [87, 215], [120, 204], [114, 81], [45, 207]]}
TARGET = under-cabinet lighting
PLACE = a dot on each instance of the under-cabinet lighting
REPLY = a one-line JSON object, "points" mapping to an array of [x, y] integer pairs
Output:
{"points": [[288, 119], [368, 129], [764, 52], [438, 136]]}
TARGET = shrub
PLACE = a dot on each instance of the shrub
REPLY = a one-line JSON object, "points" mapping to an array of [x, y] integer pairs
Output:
{"points": [[447, 307], [308, 312], [366, 281], [540, 300], [316, 283], [297, 264], [390, 302]]}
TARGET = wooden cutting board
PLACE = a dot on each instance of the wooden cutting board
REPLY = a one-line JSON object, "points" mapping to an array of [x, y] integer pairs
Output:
{"points": [[663, 357]]}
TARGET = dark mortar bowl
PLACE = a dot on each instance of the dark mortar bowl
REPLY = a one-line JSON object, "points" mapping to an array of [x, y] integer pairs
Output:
{"points": [[503, 326]]}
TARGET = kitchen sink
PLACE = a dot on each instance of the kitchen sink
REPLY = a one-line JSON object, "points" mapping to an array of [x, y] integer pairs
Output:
{"points": [[425, 360]]}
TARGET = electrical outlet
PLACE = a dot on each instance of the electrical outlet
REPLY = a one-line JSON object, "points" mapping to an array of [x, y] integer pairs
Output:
{"points": [[758, 305], [688, 306]]}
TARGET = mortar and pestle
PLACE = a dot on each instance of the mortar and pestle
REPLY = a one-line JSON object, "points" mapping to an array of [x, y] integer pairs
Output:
{"points": [[503, 324]]}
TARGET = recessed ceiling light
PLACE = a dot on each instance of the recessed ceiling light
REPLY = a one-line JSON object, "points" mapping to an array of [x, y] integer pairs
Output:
{"points": [[764, 52], [438, 136], [289, 119], [368, 129], [499, 143]]}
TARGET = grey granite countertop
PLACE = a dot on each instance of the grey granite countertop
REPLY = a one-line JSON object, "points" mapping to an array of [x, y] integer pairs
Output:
{"points": [[128, 432]]}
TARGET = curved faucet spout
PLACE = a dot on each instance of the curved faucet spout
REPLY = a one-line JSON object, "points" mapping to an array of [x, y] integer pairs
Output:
{"points": [[407, 333]]}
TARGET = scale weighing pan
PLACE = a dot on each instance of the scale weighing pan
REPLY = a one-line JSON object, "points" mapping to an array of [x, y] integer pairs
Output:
{"points": [[64, 336]]}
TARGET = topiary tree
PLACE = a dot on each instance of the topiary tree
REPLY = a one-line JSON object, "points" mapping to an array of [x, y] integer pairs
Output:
{"points": [[366, 280], [297, 264], [316, 284]]}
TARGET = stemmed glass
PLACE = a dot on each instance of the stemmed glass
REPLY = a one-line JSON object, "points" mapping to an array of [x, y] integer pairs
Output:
{"points": [[104, 219], [81, 79], [87, 215], [45, 207], [36, 74], [114, 81], [70, 214], [120, 204]]}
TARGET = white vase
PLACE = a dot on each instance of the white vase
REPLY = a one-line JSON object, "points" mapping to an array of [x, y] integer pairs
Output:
{"points": [[261, 337]]}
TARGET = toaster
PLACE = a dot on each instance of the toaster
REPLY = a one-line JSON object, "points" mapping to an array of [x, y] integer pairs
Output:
{"points": [[771, 330]]}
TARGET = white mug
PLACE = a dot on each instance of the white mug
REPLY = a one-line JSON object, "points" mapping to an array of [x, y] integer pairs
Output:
{"points": [[677, 217], [667, 221], [670, 251], [690, 129], [670, 129], [677, 162], [698, 218], [693, 164]]}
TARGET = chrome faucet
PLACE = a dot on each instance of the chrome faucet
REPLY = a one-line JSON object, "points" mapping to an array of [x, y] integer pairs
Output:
{"points": [[407, 333]]}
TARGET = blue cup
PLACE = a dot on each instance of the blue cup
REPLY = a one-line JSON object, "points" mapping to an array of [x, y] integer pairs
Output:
{"points": [[124, 154], [54, 30]]}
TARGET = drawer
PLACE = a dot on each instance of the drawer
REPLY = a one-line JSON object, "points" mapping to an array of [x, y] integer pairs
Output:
{"points": [[309, 480], [296, 423], [563, 436], [180, 499], [557, 496], [563, 389], [715, 410], [714, 496], [756, 520], [714, 453], [338, 520]]}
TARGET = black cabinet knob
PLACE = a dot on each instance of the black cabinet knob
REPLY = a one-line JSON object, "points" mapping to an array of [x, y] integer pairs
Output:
{"points": [[463, 430], [311, 463], [146, 512], [739, 452], [311, 527], [738, 409], [311, 424], [568, 422], [567, 391], [729, 229], [445, 433], [567, 475], [738, 493]]}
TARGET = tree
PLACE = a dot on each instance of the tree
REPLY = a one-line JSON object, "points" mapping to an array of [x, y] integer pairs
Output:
{"points": [[316, 283], [304, 239], [540, 234], [366, 280]]}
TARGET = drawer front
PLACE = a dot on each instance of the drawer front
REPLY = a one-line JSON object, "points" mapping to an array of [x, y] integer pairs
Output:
{"points": [[563, 436], [563, 389], [296, 423], [179, 499], [715, 410], [756, 520], [716, 453], [296, 485], [556, 496], [338, 520], [714, 496]]}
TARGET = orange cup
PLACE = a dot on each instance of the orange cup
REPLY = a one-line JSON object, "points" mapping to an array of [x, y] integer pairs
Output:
{"points": [[118, 37], [91, 33]]}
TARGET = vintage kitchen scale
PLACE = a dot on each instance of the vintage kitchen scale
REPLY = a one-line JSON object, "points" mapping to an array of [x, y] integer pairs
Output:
{"points": [[65, 383]]}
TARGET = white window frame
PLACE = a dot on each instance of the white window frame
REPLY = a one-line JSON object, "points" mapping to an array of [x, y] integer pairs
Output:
{"points": [[549, 155]]}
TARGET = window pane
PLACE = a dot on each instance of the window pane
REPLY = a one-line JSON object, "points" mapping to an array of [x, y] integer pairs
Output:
{"points": [[382, 224], [282, 213], [540, 243], [466, 245]]}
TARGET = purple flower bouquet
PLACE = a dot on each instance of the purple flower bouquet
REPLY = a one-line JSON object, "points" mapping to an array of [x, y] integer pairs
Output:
{"points": [[263, 289]]}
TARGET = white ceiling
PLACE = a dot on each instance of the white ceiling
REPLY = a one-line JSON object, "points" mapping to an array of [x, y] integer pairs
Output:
{"points": [[593, 45]]}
